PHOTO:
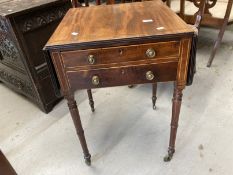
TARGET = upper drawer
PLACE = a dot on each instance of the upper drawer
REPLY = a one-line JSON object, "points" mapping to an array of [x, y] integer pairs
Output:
{"points": [[93, 57]]}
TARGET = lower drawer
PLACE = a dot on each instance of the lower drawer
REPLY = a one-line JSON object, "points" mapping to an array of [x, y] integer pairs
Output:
{"points": [[125, 75]]}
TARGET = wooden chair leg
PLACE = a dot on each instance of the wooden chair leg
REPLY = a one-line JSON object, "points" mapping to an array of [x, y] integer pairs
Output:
{"points": [[176, 104], [91, 101], [182, 9], [168, 3], [86, 3], [221, 33], [78, 125], [98, 2], [154, 95], [74, 3], [110, 2]]}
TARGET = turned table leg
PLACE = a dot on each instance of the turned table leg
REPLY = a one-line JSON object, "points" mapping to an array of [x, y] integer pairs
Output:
{"points": [[74, 3], [78, 125], [154, 96], [98, 2], [176, 104], [91, 101], [86, 3], [168, 3]]}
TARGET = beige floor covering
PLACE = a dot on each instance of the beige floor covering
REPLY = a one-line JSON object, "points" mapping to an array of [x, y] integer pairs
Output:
{"points": [[125, 136]]}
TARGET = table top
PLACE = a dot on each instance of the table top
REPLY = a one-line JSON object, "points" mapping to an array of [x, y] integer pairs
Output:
{"points": [[11, 7], [116, 23]]}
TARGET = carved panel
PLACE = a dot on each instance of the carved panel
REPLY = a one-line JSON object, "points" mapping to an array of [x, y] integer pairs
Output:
{"points": [[3, 27], [23, 33], [9, 52], [22, 85], [209, 4], [41, 19]]}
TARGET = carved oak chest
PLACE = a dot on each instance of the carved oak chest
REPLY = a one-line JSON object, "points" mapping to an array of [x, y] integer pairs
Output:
{"points": [[25, 27]]}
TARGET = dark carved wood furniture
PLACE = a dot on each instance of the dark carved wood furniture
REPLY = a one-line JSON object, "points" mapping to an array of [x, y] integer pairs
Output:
{"points": [[138, 45], [77, 3], [25, 27], [98, 2], [5, 166]]}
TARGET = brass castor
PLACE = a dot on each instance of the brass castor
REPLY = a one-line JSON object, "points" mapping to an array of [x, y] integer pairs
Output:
{"points": [[131, 86], [92, 108], [169, 156], [88, 160], [91, 103], [154, 102]]}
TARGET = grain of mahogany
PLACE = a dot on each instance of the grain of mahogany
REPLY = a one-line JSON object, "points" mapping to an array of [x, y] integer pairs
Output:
{"points": [[126, 23], [125, 32]]}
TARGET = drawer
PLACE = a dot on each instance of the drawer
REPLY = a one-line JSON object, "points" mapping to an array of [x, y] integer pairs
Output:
{"points": [[125, 75], [90, 58]]}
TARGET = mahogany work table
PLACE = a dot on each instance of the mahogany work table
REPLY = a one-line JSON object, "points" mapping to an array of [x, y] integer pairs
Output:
{"points": [[123, 44]]}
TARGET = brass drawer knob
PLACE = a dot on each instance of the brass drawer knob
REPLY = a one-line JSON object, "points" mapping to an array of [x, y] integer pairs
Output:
{"points": [[95, 80], [91, 59], [150, 53], [149, 75]]}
